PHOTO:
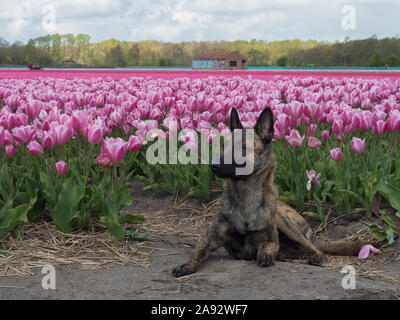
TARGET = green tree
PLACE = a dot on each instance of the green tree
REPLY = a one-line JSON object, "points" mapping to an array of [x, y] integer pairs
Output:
{"points": [[56, 46], [393, 61], [133, 55], [282, 61], [115, 57], [376, 61]]}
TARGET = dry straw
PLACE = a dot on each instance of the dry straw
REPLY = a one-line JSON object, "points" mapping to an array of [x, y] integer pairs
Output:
{"points": [[44, 244]]}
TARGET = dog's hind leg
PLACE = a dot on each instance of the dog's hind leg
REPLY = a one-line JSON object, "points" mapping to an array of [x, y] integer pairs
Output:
{"points": [[214, 238], [296, 228]]}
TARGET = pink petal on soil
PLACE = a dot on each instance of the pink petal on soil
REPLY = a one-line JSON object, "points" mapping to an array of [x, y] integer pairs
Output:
{"points": [[367, 251]]}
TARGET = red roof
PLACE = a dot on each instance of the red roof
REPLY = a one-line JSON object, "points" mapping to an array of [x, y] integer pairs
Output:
{"points": [[219, 55]]}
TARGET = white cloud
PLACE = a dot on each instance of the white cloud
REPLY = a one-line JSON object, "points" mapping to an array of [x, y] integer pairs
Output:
{"points": [[178, 20]]}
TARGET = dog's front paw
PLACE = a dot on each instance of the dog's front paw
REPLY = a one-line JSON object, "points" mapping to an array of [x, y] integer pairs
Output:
{"points": [[183, 270], [316, 260], [265, 260]]}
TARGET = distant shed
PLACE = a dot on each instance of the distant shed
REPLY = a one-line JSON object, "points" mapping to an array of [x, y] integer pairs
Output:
{"points": [[216, 60]]}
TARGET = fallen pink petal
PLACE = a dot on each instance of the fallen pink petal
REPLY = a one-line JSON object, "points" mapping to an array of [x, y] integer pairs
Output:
{"points": [[367, 251]]}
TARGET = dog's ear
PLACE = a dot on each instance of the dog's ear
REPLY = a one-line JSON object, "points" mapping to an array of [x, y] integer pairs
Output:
{"points": [[235, 120], [265, 126]]}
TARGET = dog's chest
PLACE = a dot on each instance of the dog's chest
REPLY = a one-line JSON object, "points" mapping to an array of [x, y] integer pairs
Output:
{"points": [[245, 218]]}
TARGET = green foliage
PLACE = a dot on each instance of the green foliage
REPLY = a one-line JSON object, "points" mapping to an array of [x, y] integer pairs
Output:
{"points": [[387, 232], [19, 195], [351, 183], [54, 49], [282, 61], [11, 217], [376, 61], [85, 191], [390, 190], [65, 203], [189, 179], [393, 60]]}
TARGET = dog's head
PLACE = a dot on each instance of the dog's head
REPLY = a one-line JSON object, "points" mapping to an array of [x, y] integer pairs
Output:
{"points": [[248, 150]]}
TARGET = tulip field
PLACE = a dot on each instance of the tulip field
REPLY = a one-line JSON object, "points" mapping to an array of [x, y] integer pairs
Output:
{"points": [[70, 147]]}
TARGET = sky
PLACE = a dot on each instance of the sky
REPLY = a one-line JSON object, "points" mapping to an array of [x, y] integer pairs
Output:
{"points": [[188, 20]]}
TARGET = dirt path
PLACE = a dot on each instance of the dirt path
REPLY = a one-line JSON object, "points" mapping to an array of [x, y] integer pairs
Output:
{"points": [[219, 278], [175, 227]]}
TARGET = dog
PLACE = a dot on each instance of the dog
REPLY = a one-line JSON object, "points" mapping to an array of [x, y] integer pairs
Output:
{"points": [[252, 223]]}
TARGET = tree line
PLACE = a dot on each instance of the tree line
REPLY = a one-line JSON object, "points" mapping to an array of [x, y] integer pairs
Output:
{"points": [[78, 50]]}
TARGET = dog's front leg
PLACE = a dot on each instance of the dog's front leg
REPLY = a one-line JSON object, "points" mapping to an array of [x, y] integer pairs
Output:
{"points": [[268, 250], [213, 239]]}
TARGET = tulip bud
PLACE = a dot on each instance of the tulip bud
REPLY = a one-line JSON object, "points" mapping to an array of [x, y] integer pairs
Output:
{"points": [[61, 168]]}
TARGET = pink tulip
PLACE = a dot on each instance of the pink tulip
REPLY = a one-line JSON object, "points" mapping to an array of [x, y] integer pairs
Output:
{"points": [[238, 102], [394, 121], [208, 104], [114, 149], [346, 117], [366, 123], [379, 128], [311, 109], [117, 116], [43, 115], [340, 137], [156, 114], [295, 109], [336, 154], [201, 96], [33, 108], [11, 120], [1, 137], [295, 139], [366, 104], [203, 126], [367, 251], [180, 109], [325, 135], [358, 145], [94, 134], [48, 140], [190, 139], [35, 148], [23, 134], [356, 121], [61, 134], [219, 117], [314, 142], [312, 177], [211, 137], [312, 128], [154, 98], [8, 138], [134, 143], [103, 160], [193, 104], [337, 126], [78, 120], [61, 168], [378, 115], [283, 120], [53, 114], [348, 129], [10, 151]]}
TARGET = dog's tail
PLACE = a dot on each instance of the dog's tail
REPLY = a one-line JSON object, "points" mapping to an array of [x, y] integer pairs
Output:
{"points": [[344, 248]]}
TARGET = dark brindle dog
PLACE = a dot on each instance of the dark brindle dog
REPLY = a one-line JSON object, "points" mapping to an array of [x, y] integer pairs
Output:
{"points": [[252, 224]]}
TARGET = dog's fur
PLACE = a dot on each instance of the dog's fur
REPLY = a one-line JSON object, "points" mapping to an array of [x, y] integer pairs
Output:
{"points": [[252, 223]]}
